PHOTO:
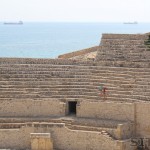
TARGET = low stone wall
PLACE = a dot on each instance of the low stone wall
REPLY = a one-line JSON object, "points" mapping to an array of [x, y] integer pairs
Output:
{"points": [[77, 53], [41, 141], [63, 138], [135, 113], [15, 138], [82, 140], [31, 108], [142, 119], [106, 110]]}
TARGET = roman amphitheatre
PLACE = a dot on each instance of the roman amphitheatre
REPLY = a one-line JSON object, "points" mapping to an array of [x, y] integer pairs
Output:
{"points": [[56, 104]]}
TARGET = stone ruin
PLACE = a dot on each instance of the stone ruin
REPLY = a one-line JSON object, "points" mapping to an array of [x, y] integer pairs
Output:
{"points": [[56, 104]]}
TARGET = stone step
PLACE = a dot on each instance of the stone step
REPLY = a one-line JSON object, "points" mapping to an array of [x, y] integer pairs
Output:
{"points": [[124, 48], [101, 78], [69, 91], [85, 128], [112, 89], [5, 72], [135, 48], [111, 76], [108, 83], [93, 72], [124, 57], [41, 76], [95, 122], [63, 84], [122, 40], [88, 90], [50, 85], [122, 94], [90, 85], [40, 61], [102, 131], [51, 92], [48, 95], [64, 67], [125, 36], [60, 62], [56, 73], [71, 81], [106, 50], [75, 96], [130, 88], [121, 64]]}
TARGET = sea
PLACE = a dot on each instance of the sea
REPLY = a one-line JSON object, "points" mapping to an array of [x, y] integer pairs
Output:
{"points": [[48, 40]]}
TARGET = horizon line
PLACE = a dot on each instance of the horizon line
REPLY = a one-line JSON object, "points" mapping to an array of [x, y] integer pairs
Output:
{"points": [[74, 21]]}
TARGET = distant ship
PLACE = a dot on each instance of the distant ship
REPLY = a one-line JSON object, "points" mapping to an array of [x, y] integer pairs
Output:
{"points": [[135, 22], [14, 23]]}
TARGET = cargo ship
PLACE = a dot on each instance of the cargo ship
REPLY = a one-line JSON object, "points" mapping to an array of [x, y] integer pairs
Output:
{"points": [[13, 23], [135, 22]]}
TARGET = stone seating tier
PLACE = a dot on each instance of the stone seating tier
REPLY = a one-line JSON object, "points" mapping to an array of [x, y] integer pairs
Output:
{"points": [[125, 36], [25, 81], [123, 47]]}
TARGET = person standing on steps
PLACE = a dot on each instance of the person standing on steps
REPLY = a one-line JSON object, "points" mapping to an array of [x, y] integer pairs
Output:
{"points": [[103, 91]]}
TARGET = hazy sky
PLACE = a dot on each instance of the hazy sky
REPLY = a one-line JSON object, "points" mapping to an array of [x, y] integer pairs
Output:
{"points": [[75, 10]]}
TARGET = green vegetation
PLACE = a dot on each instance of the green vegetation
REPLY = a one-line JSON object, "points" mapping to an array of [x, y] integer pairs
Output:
{"points": [[147, 43]]}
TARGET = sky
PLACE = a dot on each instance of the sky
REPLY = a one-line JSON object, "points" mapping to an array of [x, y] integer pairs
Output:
{"points": [[75, 10]]}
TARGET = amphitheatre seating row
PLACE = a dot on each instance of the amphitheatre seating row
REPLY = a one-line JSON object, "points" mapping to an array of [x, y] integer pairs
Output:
{"points": [[29, 79], [125, 47]]}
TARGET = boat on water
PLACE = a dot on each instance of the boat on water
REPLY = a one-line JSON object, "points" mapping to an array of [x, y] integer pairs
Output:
{"points": [[135, 22], [13, 23]]}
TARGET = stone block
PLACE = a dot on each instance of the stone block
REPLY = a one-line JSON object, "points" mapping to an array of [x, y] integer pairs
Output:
{"points": [[41, 141]]}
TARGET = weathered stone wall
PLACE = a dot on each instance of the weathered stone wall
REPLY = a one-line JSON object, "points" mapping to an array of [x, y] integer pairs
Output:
{"points": [[66, 139], [142, 119], [15, 138], [125, 131], [82, 140], [137, 113], [41, 141], [63, 138], [77, 53], [31, 108], [106, 110]]}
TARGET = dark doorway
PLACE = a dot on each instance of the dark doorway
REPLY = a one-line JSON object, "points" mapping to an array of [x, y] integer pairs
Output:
{"points": [[72, 107]]}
